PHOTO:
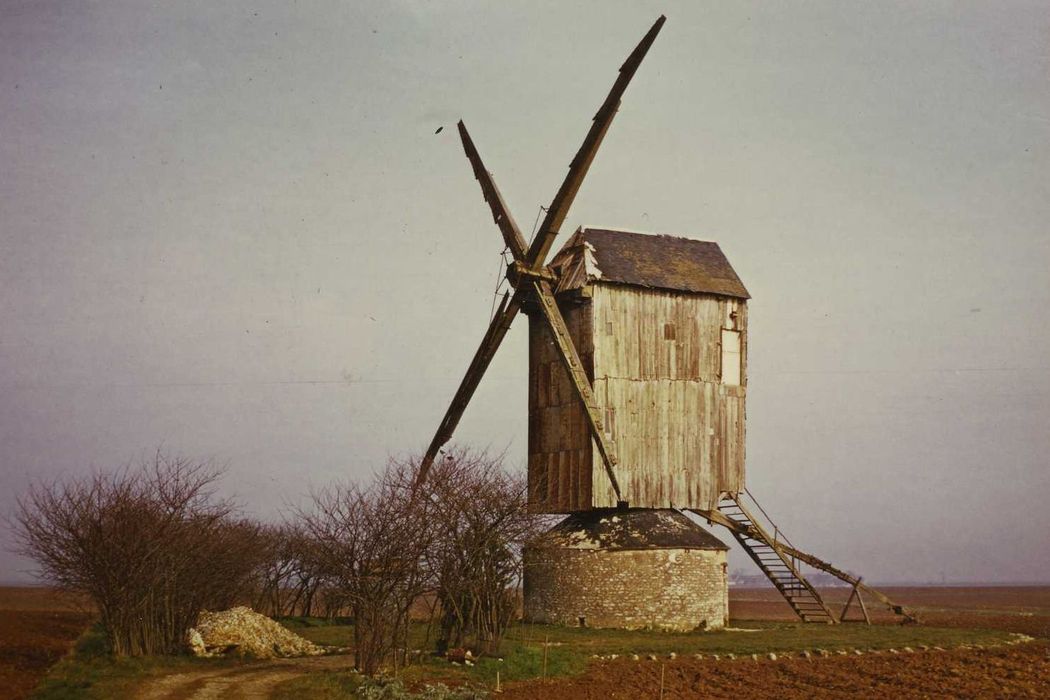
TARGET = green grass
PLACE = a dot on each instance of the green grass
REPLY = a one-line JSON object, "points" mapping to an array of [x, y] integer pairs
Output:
{"points": [[91, 673], [569, 649], [325, 685], [527, 641], [334, 633]]}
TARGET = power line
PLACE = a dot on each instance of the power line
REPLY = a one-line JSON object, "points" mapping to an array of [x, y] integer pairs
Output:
{"points": [[416, 379], [933, 370]]}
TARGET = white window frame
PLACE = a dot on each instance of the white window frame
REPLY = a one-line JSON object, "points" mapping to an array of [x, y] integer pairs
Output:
{"points": [[731, 369]]}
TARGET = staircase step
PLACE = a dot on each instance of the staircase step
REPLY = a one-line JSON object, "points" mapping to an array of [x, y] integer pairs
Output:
{"points": [[779, 568]]}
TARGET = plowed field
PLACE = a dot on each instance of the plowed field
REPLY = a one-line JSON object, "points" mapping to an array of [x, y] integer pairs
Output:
{"points": [[1021, 671], [36, 628]]}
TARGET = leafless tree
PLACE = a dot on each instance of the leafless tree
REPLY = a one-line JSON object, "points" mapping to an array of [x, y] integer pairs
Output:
{"points": [[482, 523], [151, 546], [310, 574], [372, 539], [292, 573]]}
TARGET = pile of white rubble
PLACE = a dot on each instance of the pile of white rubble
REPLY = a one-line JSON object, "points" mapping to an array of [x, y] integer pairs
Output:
{"points": [[245, 632]]}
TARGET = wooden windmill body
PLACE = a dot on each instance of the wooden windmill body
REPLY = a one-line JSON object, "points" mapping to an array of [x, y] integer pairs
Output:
{"points": [[660, 325], [637, 377]]}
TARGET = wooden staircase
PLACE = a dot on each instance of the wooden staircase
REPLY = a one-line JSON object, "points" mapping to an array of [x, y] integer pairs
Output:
{"points": [[782, 569], [779, 560]]}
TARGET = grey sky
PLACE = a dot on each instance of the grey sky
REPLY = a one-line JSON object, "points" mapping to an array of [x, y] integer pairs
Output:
{"points": [[232, 230]]}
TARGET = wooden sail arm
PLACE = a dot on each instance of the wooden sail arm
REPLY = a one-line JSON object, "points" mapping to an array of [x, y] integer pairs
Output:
{"points": [[563, 200], [530, 267], [482, 357], [500, 213]]}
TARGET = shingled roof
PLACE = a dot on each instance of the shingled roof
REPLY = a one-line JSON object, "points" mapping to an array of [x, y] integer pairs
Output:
{"points": [[645, 260], [635, 528]]}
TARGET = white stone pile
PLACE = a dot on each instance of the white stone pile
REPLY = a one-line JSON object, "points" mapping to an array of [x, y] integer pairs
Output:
{"points": [[244, 632], [1015, 638]]}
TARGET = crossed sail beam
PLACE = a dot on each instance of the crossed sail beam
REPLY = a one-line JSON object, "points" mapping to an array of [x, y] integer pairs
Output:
{"points": [[531, 279]]}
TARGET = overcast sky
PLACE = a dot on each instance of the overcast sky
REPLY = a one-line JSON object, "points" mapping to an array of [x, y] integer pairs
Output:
{"points": [[231, 230]]}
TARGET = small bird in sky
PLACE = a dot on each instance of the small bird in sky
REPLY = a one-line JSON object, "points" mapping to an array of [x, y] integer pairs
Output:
{"points": [[439, 130]]}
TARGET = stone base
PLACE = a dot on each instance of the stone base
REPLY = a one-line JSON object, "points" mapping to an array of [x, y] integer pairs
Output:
{"points": [[623, 569]]}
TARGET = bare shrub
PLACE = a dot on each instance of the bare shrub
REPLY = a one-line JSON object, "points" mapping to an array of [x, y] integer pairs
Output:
{"points": [[293, 573], [151, 546], [372, 540], [481, 521]]}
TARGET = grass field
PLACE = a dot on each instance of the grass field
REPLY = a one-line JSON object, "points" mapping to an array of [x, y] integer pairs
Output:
{"points": [[569, 650], [951, 618], [90, 673]]}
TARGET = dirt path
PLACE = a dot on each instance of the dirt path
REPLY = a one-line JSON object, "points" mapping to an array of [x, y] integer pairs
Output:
{"points": [[249, 682]]}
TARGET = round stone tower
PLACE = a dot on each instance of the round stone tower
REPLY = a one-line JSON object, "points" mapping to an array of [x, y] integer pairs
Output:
{"points": [[630, 569]]}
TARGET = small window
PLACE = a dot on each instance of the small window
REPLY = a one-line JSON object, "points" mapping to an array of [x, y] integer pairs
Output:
{"points": [[610, 420], [608, 328], [731, 357], [669, 331]]}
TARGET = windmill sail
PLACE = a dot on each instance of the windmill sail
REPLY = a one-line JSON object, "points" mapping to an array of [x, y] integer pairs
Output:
{"points": [[532, 260]]}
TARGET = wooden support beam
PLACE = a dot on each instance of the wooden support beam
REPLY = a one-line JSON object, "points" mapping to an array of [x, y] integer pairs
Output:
{"points": [[518, 271], [855, 595], [718, 518], [580, 382], [853, 580], [863, 607]]}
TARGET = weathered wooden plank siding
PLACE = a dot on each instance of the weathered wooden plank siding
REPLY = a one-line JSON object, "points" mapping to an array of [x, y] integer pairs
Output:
{"points": [[559, 472], [678, 430], [655, 360]]}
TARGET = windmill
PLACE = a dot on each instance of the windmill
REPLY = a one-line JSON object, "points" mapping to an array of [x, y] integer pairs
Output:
{"points": [[660, 323]]}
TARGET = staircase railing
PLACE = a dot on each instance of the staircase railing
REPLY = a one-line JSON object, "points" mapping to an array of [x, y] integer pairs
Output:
{"points": [[793, 557]]}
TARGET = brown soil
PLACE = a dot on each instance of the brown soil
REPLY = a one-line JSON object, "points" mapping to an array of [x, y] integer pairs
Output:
{"points": [[1024, 609], [37, 627], [1022, 671]]}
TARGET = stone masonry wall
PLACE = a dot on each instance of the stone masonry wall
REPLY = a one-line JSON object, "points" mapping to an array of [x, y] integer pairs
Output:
{"points": [[673, 589]]}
